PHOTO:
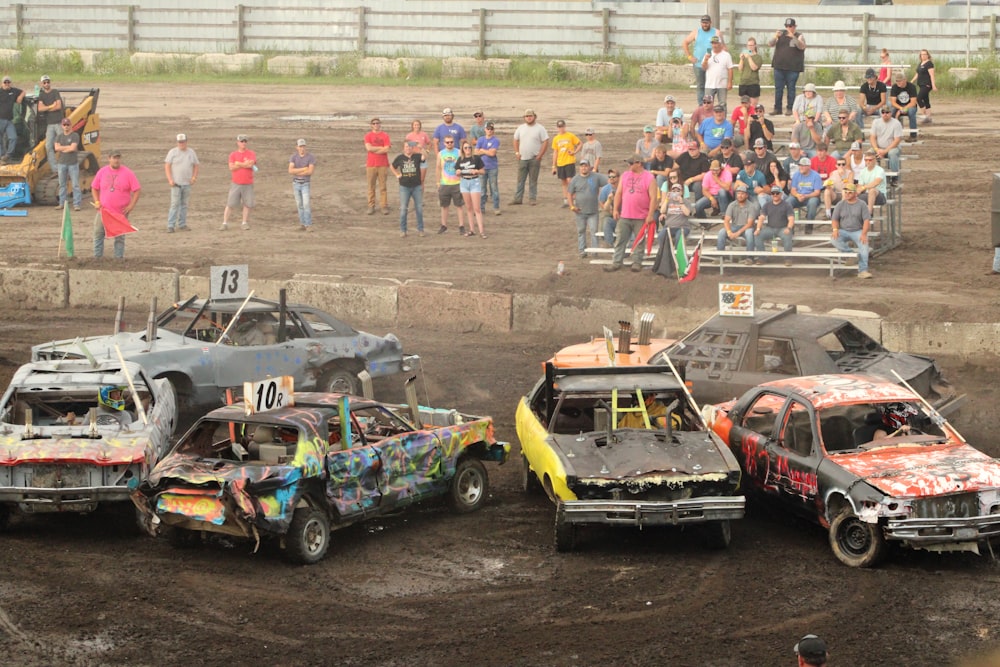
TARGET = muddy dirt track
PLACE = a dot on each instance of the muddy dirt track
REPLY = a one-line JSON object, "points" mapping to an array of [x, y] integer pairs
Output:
{"points": [[427, 587]]}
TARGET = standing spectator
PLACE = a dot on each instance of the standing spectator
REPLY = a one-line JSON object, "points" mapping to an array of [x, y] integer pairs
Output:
{"points": [[871, 181], [713, 130], [584, 200], [903, 97], [808, 100], [718, 66], [9, 96], [606, 199], [715, 187], [811, 651], [885, 67], [449, 190], [564, 148], [776, 220], [924, 78], [759, 128], [787, 61], [806, 190], [843, 134], [840, 101], [674, 215], [750, 63], [50, 113], [181, 167], [448, 128], [470, 169], [530, 143], [591, 150], [833, 190], [377, 147], [423, 141], [871, 96], [645, 146], [661, 165], [242, 165], [116, 188], [885, 137], [66, 147], [851, 221], [301, 166], [739, 220], [706, 110], [478, 128], [666, 114], [634, 207], [740, 118], [691, 169], [408, 168], [701, 39], [488, 147]]}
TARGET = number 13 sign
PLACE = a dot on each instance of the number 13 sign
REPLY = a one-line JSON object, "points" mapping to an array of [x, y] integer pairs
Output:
{"points": [[268, 394], [229, 282]]}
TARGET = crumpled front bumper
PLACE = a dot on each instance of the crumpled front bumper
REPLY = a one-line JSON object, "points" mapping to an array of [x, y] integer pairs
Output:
{"points": [[653, 513], [928, 533]]}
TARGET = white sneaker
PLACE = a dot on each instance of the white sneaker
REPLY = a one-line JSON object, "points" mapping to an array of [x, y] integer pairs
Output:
{"points": [[225, 226], [245, 226], [864, 275]]}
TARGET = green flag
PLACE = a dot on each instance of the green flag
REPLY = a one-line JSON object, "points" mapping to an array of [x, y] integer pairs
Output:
{"points": [[67, 230], [680, 256]]}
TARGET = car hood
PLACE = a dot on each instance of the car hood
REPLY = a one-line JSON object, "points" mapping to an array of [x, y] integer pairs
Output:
{"points": [[122, 448], [914, 470], [103, 347], [189, 470], [908, 366]]}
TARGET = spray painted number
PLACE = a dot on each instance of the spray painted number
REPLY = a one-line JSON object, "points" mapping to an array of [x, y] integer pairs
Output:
{"points": [[229, 282], [269, 394]]}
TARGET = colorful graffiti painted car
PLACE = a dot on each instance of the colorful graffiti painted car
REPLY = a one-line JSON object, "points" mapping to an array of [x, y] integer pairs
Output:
{"points": [[75, 434], [328, 461], [867, 459], [626, 447], [205, 346]]}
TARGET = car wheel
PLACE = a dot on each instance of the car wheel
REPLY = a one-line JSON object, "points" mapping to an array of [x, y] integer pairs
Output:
{"points": [[308, 536], [180, 538], [717, 534], [338, 381], [529, 481], [469, 487], [855, 542], [565, 533]]}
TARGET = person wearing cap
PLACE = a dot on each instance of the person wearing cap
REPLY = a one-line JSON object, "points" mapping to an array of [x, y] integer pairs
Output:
{"points": [[706, 110], [449, 185], [115, 187], [739, 219], [645, 145], [840, 102], [715, 190], [760, 127], [675, 212], [681, 136], [713, 130], [591, 150], [301, 166], [634, 208], [903, 98], [691, 169], [730, 158], [478, 129], [739, 118], [377, 147], [661, 165], [750, 63], [584, 201], [871, 180], [666, 114], [833, 187], [856, 157], [408, 169], [754, 179], [66, 146], [50, 112], [488, 148], [807, 101], [9, 96], [606, 200], [776, 220], [242, 163], [788, 60], [718, 66], [805, 190], [565, 146], [811, 651], [871, 96], [851, 222], [808, 133], [530, 143], [448, 128], [697, 43], [181, 168], [924, 78], [790, 163], [885, 137], [823, 163]]}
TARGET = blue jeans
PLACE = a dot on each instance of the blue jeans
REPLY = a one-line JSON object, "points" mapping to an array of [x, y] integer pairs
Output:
{"points": [[73, 170], [415, 193], [854, 237], [8, 133], [99, 241], [51, 132], [488, 184], [703, 204], [527, 170], [811, 205], [301, 192], [720, 243], [586, 227], [767, 233], [699, 80], [609, 230], [784, 78], [180, 195], [912, 113], [893, 156]]}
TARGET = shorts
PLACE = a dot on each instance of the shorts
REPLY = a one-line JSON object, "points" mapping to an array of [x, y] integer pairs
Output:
{"points": [[450, 194], [240, 193], [566, 171], [750, 89], [471, 185]]}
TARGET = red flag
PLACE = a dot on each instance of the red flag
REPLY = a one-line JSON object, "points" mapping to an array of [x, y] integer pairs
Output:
{"points": [[692, 267], [115, 224], [647, 232]]}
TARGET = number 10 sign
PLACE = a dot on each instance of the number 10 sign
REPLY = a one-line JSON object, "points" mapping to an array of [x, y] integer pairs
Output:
{"points": [[268, 394], [229, 282]]}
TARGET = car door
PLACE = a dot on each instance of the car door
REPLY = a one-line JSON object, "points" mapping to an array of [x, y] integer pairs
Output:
{"points": [[356, 474], [794, 456], [251, 352], [411, 459]]}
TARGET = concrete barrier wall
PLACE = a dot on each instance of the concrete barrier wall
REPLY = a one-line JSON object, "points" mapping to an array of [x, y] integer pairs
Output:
{"points": [[34, 287]]}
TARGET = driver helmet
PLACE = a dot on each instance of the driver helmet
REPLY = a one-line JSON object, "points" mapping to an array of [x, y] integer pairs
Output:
{"points": [[896, 415], [112, 397]]}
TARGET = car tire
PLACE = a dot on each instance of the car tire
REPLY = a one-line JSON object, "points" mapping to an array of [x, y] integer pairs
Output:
{"points": [[529, 481], [854, 542], [338, 381], [308, 536], [565, 533], [717, 534], [180, 538], [469, 487]]}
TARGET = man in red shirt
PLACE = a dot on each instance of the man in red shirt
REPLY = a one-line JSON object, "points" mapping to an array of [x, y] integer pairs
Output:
{"points": [[377, 165], [242, 165]]}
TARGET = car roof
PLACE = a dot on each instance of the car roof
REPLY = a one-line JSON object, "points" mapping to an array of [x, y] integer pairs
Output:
{"points": [[787, 323], [595, 353], [593, 383], [825, 391], [308, 405]]}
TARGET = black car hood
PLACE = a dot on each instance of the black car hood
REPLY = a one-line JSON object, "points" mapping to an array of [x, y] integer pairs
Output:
{"points": [[908, 366]]}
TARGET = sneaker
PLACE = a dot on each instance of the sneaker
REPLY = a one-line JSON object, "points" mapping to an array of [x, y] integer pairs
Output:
{"points": [[4, 160], [58, 206], [402, 235], [926, 119], [443, 229], [746, 262], [496, 211], [308, 229], [385, 211], [612, 268], [515, 203], [532, 202], [185, 228], [910, 139], [77, 208], [245, 226], [461, 230], [421, 233], [636, 267], [788, 262], [583, 255], [225, 226], [170, 230], [864, 275], [758, 261], [788, 112], [371, 211]]}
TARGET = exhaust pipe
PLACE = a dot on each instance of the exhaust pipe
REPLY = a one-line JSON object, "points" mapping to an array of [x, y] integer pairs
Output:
{"points": [[624, 337], [645, 328]]}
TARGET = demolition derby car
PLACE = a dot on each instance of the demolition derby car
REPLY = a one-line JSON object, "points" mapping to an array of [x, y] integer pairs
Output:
{"points": [[867, 459], [205, 346], [321, 462], [73, 434], [625, 447]]}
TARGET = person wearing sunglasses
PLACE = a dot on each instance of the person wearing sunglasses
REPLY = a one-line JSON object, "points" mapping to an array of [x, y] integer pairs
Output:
{"points": [[50, 115], [871, 181], [635, 208], [839, 104], [885, 137], [833, 186], [843, 133], [449, 185]]}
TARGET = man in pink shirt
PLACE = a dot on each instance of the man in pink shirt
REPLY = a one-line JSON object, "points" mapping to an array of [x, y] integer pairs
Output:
{"points": [[242, 165], [634, 206], [116, 188], [377, 145]]}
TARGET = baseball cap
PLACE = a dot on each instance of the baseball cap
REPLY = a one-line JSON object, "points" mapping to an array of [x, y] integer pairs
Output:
{"points": [[182, 137], [477, 114], [707, 98], [678, 114], [648, 128], [748, 159], [584, 162], [677, 187], [633, 159], [447, 112], [759, 144], [744, 98], [529, 112], [489, 125], [242, 137], [810, 88], [726, 143], [45, 77], [789, 22], [718, 107], [668, 98], [66, 121], [560, 123], [887, 109], [870, 153], [775, 189], [588, 131], [856, 146], [759, 107], [411, 144], [810, 113], [741, 187], [840, 85], [300, 142], [870, 73], [715, 39], [793, 144], [6, 79], [115, 153], [850, 187], [810, 647], [804, 162], [706, 17]]}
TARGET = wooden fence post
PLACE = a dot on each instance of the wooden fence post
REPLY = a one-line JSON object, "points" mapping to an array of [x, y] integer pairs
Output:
{"points": [[605, 32], [482, 33], [993, 35], [361, 31], [19, 24], [131, 28], [864, 36], [240, 27]]}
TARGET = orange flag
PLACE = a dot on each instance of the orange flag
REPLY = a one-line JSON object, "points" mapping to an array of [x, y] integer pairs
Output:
{"points": [[115, 224]]}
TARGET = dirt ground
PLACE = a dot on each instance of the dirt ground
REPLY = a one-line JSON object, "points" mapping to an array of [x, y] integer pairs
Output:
{"points": [[427, 587]]}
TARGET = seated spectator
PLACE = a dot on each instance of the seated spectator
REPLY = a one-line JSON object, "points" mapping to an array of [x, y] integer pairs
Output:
{"points": [[872, 97], [605, 198], [903, 98], [805, 190], [777, 177], [807, 100], [644, 147], [843, 134], [715, 187], [675, 213], [833, 190], [740, 118], [706, 110], [791, 162], [823, 163], [692, 167], [885, 137], [808, 133], [713, 130], [871, 181], [776, 220], [666, 114], [840, 101], [730, 158], [855, 158], [754, 179], [681, 136], [661, 165], [759, 127], [851, 222], [738, 222]]}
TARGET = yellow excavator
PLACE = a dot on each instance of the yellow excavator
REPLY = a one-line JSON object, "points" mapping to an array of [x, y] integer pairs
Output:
{"points": [[29, 178]]}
